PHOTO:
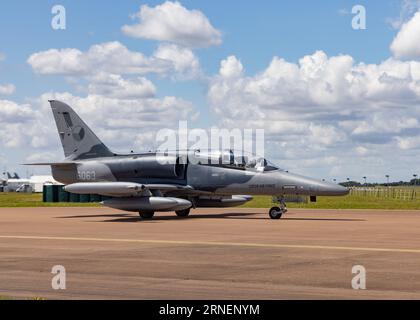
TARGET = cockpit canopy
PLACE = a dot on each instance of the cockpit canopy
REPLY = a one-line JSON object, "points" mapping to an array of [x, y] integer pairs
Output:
{"points": [[232, 159]]}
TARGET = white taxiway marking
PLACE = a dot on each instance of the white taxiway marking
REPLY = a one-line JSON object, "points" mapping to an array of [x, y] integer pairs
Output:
{"points": [[210, 243]]}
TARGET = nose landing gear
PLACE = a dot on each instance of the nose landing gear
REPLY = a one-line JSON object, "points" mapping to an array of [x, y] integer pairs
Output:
{"points": [[276, 213]]}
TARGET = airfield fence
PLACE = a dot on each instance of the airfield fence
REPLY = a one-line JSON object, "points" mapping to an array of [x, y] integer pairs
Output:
{"points": [[386, 193]]}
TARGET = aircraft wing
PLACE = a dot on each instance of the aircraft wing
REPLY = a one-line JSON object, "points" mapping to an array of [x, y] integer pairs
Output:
{"points": [[58, 164], [121, 189]]}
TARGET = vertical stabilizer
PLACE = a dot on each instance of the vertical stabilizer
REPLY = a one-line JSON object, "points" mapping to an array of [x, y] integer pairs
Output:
{"points": [[78, 140]]}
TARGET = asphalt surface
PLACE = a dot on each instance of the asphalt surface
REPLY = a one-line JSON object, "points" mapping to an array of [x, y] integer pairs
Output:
{"points": [[215, 254]]}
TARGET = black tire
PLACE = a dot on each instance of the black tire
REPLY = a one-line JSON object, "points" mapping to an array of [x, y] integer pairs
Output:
{"points": [[146, 214], [275, 213], [183, 213]]}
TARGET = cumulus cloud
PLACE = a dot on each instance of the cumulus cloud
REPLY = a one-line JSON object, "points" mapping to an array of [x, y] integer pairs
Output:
{"points": [[124, 113], [231, 67], [183, 60], [43, 157], [406, 44], [114, 86], [121, 121], [11, 111], [322, 106], [171, 22], [317, 84], [7, 89], [408, 143], [22, 125], [111, 57], [323, 116], [408, 9], [119, 102]]}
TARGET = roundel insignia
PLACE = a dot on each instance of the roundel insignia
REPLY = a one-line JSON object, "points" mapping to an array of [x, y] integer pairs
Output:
{"points": [[78, 133]]}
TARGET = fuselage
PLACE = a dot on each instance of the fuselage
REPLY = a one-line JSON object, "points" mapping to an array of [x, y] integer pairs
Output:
{"points": [[203, 177]]}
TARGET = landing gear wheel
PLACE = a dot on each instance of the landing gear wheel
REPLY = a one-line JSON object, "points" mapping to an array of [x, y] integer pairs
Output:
{"points": [[183, 213], [146, 214], [275, 213]]}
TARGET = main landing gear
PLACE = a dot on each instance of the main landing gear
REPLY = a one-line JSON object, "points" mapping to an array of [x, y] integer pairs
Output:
{"points": [[183, 213], [146, 215], [275, 213]]}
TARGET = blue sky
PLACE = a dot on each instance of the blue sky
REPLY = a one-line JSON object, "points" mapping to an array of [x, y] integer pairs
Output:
{"points": [[254, 34]]}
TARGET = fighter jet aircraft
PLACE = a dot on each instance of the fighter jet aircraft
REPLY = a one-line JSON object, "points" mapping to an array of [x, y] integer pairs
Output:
{"points": [[172, 180], [15, 176]]}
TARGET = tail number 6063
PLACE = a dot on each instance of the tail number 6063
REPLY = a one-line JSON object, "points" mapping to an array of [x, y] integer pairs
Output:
{"points": [[86, 175]]}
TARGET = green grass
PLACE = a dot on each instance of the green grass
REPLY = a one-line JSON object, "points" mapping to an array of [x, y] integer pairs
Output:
{"points": [[347, 202], [10, 200], [7, 298]]}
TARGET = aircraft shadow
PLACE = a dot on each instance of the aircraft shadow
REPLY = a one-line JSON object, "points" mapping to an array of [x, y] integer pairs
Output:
{"points": [[324, 219], [127, 217]]}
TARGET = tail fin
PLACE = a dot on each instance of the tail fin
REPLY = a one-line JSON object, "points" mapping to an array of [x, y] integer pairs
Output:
{"points": [[16, 176], [9, 176], [78, 140]]}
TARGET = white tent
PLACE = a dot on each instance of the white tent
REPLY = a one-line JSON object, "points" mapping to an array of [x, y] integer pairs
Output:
{"points": [[37, 182]]}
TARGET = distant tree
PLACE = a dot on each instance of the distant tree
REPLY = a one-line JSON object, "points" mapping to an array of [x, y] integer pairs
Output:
{"points": [[349, 184]]}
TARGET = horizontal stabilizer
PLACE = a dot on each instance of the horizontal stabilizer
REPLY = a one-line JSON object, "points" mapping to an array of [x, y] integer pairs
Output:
{"points": [[58, 164]]}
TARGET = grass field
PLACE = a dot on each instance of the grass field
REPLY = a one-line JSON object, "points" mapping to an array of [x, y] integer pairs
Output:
{"points": [[34, 200], [347, 202], [7, 298]]}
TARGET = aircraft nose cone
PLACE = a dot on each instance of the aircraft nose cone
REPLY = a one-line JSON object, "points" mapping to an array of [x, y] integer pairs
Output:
{"points": [[332, 189], [311, 186]]}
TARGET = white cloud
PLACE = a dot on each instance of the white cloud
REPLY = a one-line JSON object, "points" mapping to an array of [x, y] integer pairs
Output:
{"points": [[111, 57], [360, 150], [7, 89], [123, 120], [171, 22], [114, 86], [43, 157], [407, 143], [119, 103], [53, 61], [120, 122], [406, 44], [408, 9], [324, 106], [231, 67], [322, 115], [22, 125], [114, 58], [318, 85], [183, 60], [11, 111]]}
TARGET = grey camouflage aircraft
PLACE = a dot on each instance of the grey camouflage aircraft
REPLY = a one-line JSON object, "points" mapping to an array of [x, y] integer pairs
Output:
{"points": [[170, 181]]}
